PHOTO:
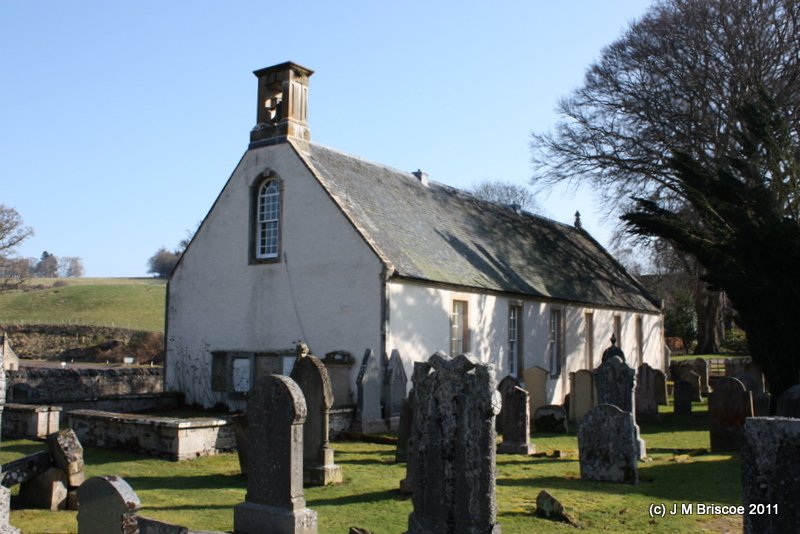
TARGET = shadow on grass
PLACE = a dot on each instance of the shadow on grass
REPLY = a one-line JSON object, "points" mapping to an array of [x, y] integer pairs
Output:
{"points": [[361, 498], [187, 482]]}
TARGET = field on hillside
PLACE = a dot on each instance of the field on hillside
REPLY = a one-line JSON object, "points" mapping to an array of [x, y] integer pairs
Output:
{"points": [[134, 303]]}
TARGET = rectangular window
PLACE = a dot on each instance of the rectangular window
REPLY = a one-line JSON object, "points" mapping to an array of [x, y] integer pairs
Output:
{"points": [[514, 338], [618, 329], [556, 342], [219, 371], [459, 329], [589, 341]]}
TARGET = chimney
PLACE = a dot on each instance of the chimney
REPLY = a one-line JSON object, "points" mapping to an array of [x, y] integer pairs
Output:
{"points": [[282, 104], [421, 176]]}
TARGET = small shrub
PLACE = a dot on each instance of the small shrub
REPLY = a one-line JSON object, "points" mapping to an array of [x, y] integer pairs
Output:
{"points": [[735, 342]]}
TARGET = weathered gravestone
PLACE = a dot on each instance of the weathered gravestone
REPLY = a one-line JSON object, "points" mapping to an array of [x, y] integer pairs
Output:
{"points": [[369, 416], [683, 393], [536, 384], [608, 445], [403, 430], [453, 439], [694, 380], [241, 430], [318, 466], [582, 394], [755, 385], [661, 387], [551, 418], [615, 383], [275, 502], [612, 351], [646, 393], [514, 420], [67, 454], [47, 491], [5, 494], [771, 475], [107, 504], [395, 383], [789, 403], [728, 406]]}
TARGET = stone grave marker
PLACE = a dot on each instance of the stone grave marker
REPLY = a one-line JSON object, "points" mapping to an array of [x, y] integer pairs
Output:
{"points": [[455, 403], [403, 430], [694, 380], [276, 411], [514, 421], [369, 416], [551, 418], [728, 406], [319, 468], [661, 387], [700, 366], [789, 402], [608, 445], [646, 394], [615, 382], [536, 384], [67, 454], [771, 475], [107, 504], [395, 384], [755, 384], [582, 394], [338, 364], [683, 393], [5, 494], [46, 491]]}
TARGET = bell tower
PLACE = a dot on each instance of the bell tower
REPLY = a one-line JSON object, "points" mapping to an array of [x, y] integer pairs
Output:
{"points": [[282, 104]]}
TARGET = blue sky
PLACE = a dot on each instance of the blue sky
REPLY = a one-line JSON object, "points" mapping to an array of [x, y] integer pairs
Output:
{"points": [[121, 121]]}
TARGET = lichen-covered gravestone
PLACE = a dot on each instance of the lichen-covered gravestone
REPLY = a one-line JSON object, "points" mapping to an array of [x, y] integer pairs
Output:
{"points": [[646, 394], [582, 395], [728, 406], [453, 438], [682, 402], [275, 411], [319, 468], [789, 402], [615, 383], [514, 420], [395, 384], [608, 445], [368, 406], [107, 504], [771, 475]]}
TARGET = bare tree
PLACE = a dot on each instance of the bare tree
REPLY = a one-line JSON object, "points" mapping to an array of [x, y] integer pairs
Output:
{"points": [[506, 193], [70, 267], [13, 232], [162, 262]]}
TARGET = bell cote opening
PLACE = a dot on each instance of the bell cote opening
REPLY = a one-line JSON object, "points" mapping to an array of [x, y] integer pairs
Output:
{"points": [[282, 104]]}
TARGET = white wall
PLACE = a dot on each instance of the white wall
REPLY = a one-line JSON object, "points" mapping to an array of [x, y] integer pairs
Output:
{"points": [[419, 325], [326, 290]]}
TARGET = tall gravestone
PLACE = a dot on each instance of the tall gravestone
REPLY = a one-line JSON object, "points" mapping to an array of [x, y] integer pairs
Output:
{"points": [[318, 466], [615, 383], [395, 384], [582, 394], [275, 502], [536, 384], [646, 394], [514, 419], [771, 475], [682, 401], [608, 445], [700, 366], [107, 504], [369, 416], [789, 402], [728, 406], [453, 439], [661, 387], [5, 494]]}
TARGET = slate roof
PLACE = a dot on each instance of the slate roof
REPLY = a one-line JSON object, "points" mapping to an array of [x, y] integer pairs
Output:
{"points": [[439, 234]]}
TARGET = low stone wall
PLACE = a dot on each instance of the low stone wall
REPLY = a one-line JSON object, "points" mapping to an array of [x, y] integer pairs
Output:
{"points": [[57, 386], [30, 421], [165, 437]]}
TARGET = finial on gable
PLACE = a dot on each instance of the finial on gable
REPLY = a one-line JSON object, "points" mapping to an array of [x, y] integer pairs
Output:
{"points": [[282, 104], [578, 223]]}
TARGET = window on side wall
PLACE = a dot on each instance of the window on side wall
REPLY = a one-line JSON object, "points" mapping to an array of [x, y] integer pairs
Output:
{"points": [[514, 338], [267, 220], [618, 329], [639, 341], [459, 329], [556, 343]]}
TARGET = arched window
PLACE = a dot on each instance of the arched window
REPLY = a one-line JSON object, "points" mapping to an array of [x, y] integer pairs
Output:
{"points": [[268, 213]]}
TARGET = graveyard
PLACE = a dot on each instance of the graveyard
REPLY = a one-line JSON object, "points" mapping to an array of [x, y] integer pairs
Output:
{"points": [[202, 493]]}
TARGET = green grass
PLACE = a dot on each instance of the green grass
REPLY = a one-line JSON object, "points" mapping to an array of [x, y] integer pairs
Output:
{"points": [[135, 303], [201, 493]]}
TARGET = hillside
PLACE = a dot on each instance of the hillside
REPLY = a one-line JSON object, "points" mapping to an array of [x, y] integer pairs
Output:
{"points": [[132, 303]]}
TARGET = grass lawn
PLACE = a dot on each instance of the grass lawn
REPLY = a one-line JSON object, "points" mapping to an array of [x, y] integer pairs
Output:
{"points": [[135, 303], [201, 493]]}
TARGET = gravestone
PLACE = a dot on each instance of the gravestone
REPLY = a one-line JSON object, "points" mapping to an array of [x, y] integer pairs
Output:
{"points": [[608, 446], [369, 417], [514, 420], [612, 351], [318, 466], [754, 383], [700, 366], [107, 504], [551, 418], [338, 364], [241, 430], [683, 393], [728, 406], [453, 439], [67, 454], [276, 411], [421, 370], [47, 491], [615, 383], [647, 393], [403, 430], [694, 380], [661, 387], [582, 394], [771, 475], [395, 384], [536, 384], [789, 402], [5, 494]]}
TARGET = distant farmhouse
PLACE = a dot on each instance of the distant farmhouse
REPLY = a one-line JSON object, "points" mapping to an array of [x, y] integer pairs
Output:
{"points": [[308, 243]]}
